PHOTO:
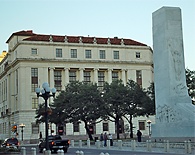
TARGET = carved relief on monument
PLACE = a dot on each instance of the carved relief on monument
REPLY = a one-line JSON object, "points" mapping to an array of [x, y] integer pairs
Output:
{"points": [[166, 114], [175, 50]]}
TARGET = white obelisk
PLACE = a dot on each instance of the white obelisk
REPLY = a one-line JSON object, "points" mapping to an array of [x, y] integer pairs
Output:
{"points": [[175, 114]]}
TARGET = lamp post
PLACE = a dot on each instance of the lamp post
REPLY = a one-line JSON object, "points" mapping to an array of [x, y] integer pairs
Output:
{"points": [[22, 127], [149, 127], [45, 94]]}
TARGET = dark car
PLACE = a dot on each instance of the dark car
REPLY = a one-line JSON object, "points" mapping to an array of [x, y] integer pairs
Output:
{"points": [[10, 143], [55, 143]]}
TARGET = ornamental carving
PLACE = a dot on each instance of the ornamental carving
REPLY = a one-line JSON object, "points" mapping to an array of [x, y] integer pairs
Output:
{"points": [[166, 114]]}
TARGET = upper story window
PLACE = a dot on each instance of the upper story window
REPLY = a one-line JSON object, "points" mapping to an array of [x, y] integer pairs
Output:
{"points": [[34, 51], [58, 52], [87, 53], [139, 77], [102, 54], [137, 55], [58, 79], [101, 79], [87, 76], [34, 79], [73, 53], [114, 76], [72, 76], [116, 54]]}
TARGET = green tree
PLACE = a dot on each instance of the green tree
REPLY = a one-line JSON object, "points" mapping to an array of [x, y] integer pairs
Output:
{"points": [[80, 102], [137, 103], [114, 98], [190, 80]]}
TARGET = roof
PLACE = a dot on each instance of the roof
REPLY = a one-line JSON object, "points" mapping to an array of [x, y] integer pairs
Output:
{"points": [[21, 33], [75, 39]]}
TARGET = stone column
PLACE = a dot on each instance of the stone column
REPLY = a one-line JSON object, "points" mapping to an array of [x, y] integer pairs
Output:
{"points": [[109, 76], [124, 76], [66, 75], [51, 80], [95, 75], [81, 78]]}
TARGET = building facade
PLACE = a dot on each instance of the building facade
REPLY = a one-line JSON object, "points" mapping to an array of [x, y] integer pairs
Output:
{"points": [[33, 59]]}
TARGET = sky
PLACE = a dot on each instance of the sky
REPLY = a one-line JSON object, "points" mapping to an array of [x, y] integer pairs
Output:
{"points": [[130, 19]]}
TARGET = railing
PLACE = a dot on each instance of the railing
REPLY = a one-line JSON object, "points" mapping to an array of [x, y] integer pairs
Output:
{"points": [[165, 146]]}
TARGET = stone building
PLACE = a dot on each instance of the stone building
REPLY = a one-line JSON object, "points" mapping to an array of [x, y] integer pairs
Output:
{"points": [[33, 59]]}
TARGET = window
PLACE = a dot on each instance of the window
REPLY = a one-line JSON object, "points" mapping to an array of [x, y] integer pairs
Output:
{"points": [[141, 125], [105, 126], [137, 54], [73, 53], [139, 77], [34, 79], [100, 79], [58, 52], [58, 80], [87, 76], [72, 76], [35, 128], [114, 76], [116, 54], [76, 127], [34, 103], [33, 51], [102, 54], [87, 53]]}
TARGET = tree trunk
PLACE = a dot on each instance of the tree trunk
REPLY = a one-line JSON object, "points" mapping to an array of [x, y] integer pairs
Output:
{"points": [[131, 127], [117, 127], [88, 131]]}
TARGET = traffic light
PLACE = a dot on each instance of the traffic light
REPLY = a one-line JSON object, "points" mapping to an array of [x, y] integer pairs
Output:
{"points": [[14, 128]]}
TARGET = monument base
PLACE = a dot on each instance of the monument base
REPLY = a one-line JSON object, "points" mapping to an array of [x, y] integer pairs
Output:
{"points": [[181, 128], [174, 132]]}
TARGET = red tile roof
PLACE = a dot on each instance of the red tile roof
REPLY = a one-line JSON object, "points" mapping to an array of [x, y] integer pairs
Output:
{"points": [[74, 39], [21, 33]]}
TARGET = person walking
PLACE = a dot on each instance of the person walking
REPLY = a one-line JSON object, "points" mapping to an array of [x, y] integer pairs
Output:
{"points": [[139, 135], [40, 135], [110, 138], [102, 139], [105, 139]]}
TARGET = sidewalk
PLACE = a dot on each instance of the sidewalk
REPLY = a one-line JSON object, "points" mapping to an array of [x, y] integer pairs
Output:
{"points": [[141, 148]]}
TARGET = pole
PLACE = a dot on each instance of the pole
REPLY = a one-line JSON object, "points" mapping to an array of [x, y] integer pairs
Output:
{"points": [[22, 133], [46, 125]]}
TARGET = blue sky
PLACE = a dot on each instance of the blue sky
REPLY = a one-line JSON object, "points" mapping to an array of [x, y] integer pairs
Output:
{"points": [[101, 18]]}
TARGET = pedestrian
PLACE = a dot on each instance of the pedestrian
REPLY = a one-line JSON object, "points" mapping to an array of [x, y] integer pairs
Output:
{"points": [[102, 139], [40, 135], [139, 135], [110, 138], [105, 139]]}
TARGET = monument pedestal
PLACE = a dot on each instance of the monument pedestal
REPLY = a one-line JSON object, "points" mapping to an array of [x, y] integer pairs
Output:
{"points": [[174, 132], [175, 124]]}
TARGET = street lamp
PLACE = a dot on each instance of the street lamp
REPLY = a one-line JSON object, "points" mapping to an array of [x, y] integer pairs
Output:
{"points": [[22, 127], [149, 126], [45, 94]]}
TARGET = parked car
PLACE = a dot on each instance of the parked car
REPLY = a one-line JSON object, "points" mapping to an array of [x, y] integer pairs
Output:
{"points": [[10, 143], [55, 143]]}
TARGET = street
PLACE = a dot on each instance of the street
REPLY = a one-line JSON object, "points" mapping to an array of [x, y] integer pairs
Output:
{"points": [[94, 151]]}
